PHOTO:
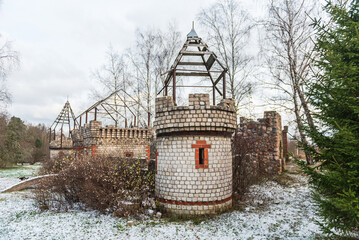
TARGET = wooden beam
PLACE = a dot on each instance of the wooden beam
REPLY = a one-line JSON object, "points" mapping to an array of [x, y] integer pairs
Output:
{"points": [[191, 63], [210, 62], [194, 53], [210, 75], [193, 86], [174, 86], [224, 85], [219, 78], [192, 74], [196, 45], [214, 95]]}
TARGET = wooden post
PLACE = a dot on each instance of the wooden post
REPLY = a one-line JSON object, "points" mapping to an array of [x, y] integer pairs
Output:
{"points": [[224, 85], [134, 124], [174, 86], [50, 136], [86, 117], [166, 90], [61, 138], [69, 128], [80, 122], [149, 119], [95, 114], [125, 122], [214, 96]]}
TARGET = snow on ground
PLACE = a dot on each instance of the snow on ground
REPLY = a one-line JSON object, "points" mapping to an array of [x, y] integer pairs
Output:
{"points": [[271, 212], [25, 170], [10, 176]]}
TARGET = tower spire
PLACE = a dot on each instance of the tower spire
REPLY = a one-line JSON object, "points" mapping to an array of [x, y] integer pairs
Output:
{"points": [[192, 33]]}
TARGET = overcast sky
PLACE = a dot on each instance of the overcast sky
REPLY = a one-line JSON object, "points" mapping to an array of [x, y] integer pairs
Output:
{"points": [[62, 42]]}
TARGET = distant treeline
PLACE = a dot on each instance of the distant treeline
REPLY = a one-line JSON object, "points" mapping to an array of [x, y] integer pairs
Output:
{"points": [[21, 143]]}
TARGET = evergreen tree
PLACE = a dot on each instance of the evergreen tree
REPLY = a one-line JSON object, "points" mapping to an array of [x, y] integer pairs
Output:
{"points": [[15, 131], [335, 97]]}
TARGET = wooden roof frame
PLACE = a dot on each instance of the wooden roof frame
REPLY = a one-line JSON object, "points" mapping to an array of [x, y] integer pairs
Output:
{"points": [[64, 118], [107, 107], [202, 50]]}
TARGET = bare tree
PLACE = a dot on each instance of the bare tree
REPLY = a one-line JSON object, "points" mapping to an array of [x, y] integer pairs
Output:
{"points": [[170, 43], [142, 58], [112, 76], [8, 60], [228, 32], [153, 54], [289, 55]]}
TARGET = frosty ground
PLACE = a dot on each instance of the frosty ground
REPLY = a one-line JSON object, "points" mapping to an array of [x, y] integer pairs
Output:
{"points": [[273, 210]]}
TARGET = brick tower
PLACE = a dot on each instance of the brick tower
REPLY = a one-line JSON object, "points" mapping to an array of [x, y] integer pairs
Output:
{"points": [[194, 162]]}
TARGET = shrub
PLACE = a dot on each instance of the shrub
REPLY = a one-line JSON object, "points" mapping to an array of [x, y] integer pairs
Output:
{"points": [[111, 185], [56, 164], [247, 166]]}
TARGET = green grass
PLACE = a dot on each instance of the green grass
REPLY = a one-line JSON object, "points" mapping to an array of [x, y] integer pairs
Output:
{"points": [[25, 170]]}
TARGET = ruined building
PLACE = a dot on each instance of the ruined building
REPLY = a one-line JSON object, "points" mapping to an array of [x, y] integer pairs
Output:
{"points": [[89, 137], [60, 132], [265, 142], [194, 162]]}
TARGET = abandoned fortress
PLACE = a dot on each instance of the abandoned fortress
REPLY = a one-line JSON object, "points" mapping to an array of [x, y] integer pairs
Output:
{"points": [[190, 144]]}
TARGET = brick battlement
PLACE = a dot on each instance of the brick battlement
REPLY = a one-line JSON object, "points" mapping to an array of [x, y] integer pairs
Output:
{"points": [[270, 123], [113, 141], [199, 115]]}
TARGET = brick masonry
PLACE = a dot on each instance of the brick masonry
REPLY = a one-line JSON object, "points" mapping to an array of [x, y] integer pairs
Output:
{"points": [[93, 139], [56, 149], [182, 186], [270, 142]]}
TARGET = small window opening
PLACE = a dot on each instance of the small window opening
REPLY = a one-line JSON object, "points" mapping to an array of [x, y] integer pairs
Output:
{"points": [[128, 154], [201, 156]]}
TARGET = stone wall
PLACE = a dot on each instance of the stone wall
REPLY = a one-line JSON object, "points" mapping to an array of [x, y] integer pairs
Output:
{"points": [[93, 139], [194, 162], [268, 141], [60, 147]]}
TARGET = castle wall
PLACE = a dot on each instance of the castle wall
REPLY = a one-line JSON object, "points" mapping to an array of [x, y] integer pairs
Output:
{"points": [[57, 148], [194, 162], [94, 139], [268, 142]]}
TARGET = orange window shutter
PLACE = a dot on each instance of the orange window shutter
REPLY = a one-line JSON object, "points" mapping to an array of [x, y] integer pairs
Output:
{"points": [[205, 154], [197, 154]]}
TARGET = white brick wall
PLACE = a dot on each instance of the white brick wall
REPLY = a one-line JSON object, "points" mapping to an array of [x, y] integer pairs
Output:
{"points": [[177, 178]]}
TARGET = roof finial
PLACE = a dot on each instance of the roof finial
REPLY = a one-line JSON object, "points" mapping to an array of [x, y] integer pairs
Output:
{"points": [[192, 33]]}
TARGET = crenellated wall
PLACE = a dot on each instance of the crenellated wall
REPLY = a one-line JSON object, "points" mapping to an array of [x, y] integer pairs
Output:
{"points": [[93, 138]]}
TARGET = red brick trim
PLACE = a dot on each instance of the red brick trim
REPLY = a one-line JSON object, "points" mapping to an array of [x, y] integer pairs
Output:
{"points": [[148, 152], [201, 145], [162, 200], [93, 150], [197, 146]]}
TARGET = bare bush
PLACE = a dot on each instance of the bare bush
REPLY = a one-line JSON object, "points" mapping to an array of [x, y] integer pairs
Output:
{"points": [[111, 185], [248, 166], [56, 164]]}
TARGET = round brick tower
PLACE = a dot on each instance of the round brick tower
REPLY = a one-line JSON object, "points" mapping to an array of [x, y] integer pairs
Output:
{"points": [[194, 157], [194, 162]]}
